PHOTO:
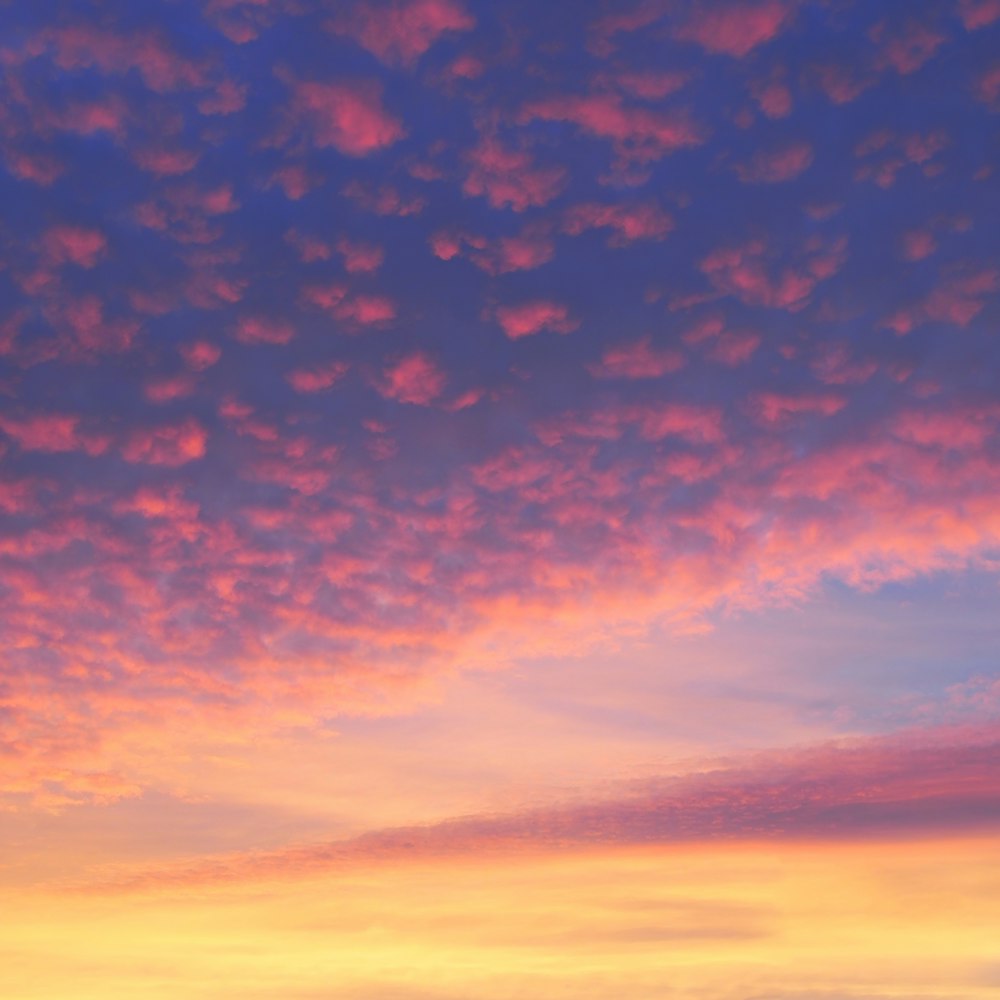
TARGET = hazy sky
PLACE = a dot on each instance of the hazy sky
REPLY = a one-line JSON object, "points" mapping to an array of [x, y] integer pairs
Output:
{"points": [[499, 500]]}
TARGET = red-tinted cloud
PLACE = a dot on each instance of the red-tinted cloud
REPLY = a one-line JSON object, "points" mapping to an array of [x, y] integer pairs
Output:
{"points": [[88, 46], [73, 244], [627, 222], [169, 444], [906, 47], [978, 13], [398, 32], [735, 29], [318, 378], [637, 134], [349, 116], [509, 177], [938, 782], [262, 330], [746, 273], [638, 359], [770, 166], [533, 317], [413, 379]]}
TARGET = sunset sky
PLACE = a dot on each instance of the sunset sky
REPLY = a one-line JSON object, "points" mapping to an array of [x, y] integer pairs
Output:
{"points": [[499, 500]]}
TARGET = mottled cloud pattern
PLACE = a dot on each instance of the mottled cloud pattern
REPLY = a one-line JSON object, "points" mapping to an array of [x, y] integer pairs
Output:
{"points": [[393, 338]]}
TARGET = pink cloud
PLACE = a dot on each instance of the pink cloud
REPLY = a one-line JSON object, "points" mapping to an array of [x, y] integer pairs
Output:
{"points": [[524, 252], [353, 309], [200, 354], [226, 98], [744, 272], [84, 322], [772, 96], [398, 32], [647, 85], [771, 166], [295, 180], [509, 177], [39, 168], [260, 330], [778, 408], [318, 378], [531, 248], [637, 359], [85, 46], [834, 366], [964, 428], [367, 310], [734, 347], [988, 87], [309, 247], [109, 114], [169, 388], [73, 244], [465, 67], [958, 299], [735, 29], [841, 84], [360, 258], [978, 13], [413, 379], [384, 200], [169, 445], [52, 432], [628, 222], [917, 244], [638, 16], [887, 153], [350, 117], [907, 47], [532, 317], [164, 161], [446, 245], [637, 134], [939, 779]]}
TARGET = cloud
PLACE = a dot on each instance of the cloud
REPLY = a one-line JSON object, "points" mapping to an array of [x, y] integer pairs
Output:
{"points": [[958, 299], [776, 408], [398, 32], [360, 258], [988, 88], [637, 359], [51, 432], [735, 29], [169, 444], [844, 791], [530, 248], [262, 330], [73, 244], [413, 379], [905, 47], [200, 354], [86, 46], [637, 134], [773, 96], [978, 13], [746, 273], [318, 378], [349, 116], [771, 166], [527, 318], [509, 178], [628, 222]]}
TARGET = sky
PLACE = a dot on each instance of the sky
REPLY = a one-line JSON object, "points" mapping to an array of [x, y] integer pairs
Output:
{"points": [[499, 500]]}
